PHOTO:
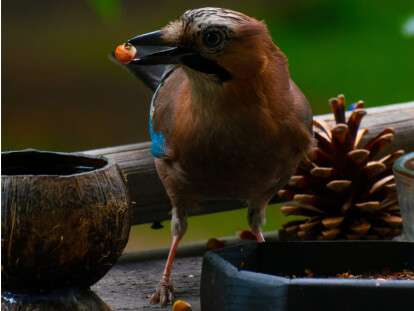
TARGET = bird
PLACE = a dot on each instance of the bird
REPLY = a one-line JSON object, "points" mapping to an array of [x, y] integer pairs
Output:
{"points": [[226, 120]]}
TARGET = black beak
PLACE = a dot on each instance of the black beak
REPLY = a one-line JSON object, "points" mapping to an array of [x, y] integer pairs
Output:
{"points": [[154, 50], [151, 38]]}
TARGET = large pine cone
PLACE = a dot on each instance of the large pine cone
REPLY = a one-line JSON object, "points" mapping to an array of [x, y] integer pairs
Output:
{"points": [[344, 190]]}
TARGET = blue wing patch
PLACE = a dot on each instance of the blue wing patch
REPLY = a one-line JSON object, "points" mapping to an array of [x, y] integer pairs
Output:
{"points": [[157, 141], [158, 144]]}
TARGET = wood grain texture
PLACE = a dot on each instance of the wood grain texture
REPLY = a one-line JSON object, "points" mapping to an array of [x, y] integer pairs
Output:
{"points": [[150, 202], [60, 231], [128, 285]]}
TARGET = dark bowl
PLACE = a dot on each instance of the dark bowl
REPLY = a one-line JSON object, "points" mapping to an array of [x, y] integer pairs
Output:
{"points": [[65, 219], [271, 276]]}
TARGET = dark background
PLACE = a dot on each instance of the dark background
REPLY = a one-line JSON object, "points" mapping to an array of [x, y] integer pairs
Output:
{"points": [[60, 91]]}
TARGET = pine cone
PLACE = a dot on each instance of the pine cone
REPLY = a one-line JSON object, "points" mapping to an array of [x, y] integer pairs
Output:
{"points": [[343, 189]]}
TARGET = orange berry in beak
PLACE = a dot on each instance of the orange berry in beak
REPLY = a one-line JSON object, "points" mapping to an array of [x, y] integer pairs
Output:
{"points": [[125, 53]]}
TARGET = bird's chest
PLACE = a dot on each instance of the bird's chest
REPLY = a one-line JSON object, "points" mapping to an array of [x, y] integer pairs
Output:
{"points": [[231, 159]]}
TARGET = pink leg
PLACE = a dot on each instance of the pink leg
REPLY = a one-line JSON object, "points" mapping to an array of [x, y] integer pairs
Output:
{"points": [[171, 255], [256, 217], [164, 293]]}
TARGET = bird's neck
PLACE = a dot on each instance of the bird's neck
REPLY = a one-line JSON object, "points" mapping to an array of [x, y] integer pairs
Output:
{"points": [[204, 89], [267, 84]]}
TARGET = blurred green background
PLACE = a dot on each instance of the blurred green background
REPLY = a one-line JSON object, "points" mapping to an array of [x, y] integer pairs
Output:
{"points": [[60, 91]]}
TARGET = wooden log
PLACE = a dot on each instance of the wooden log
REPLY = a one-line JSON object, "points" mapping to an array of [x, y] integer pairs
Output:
{"points": [[148, 198], [150, 202]]}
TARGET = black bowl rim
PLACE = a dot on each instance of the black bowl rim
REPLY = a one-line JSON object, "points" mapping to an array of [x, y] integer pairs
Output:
{"points": [[225, 266], [225, 287], [109, 162]]}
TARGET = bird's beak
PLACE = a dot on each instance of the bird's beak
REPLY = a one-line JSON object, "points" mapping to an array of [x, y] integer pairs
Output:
{"points": [[154, 50]]}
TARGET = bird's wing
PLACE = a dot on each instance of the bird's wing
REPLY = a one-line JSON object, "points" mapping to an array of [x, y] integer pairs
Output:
{"points": [[301, 105], [150, 75], [164, 103]]}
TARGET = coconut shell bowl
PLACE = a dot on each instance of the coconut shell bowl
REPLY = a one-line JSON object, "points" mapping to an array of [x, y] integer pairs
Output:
{"points": [[65, 222]]}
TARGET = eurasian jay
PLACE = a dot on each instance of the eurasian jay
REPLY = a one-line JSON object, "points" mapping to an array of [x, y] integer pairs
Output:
{"points": [[226, 120]]}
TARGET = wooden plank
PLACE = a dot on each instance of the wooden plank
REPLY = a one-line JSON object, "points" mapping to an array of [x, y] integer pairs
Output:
{"points": [[398, 116], [150, 202], [128, 285]]}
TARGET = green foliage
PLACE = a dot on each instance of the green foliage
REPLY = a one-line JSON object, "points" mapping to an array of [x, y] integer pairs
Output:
{"points": [[108, 10], [359, 48]]}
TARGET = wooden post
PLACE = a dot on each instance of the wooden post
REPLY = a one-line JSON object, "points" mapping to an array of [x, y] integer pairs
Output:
{"points": [[150, 202]]}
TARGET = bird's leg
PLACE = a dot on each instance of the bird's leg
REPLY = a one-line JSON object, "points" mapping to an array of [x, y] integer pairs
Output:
{"points": [[256, 216], [164, 293]]}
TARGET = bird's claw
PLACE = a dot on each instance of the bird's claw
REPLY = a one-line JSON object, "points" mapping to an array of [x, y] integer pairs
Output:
{"points": [[164, 294]]}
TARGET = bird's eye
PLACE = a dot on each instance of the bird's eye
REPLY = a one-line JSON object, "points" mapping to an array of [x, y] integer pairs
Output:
{"points": [[212, 38]]}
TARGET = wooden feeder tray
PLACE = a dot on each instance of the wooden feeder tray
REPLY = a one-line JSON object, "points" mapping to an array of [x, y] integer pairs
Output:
{"points": [[272, 276]]}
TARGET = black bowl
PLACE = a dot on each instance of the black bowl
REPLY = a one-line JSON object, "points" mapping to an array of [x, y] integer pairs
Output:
{"points": [[259, 276]]}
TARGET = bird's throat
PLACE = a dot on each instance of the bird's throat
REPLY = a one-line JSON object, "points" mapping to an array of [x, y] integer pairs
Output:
{"points": [[207, 67], [206, 92]]}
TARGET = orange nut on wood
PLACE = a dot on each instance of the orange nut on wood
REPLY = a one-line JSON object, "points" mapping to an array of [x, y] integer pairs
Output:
{"points": [[125, 53], [181, 305]]}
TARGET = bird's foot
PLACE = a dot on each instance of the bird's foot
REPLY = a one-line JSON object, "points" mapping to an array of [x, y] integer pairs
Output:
{"points": [[259, 237], [164, 294], [252, 235]]}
